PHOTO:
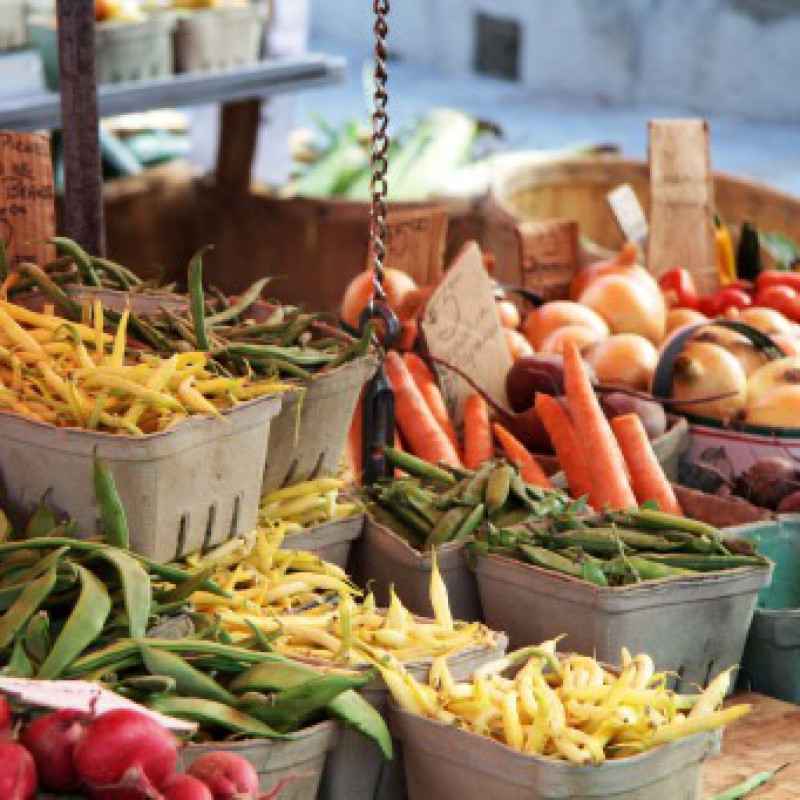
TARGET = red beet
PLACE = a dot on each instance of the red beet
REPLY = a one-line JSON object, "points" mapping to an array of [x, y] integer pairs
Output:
{"points": [[185, 787], [6, 719], [17, 772], [51, 741], [125, 750], [228, 776]]}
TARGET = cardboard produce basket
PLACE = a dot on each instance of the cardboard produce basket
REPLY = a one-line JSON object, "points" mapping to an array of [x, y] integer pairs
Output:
{"points": [[332, 541], [184, 489], [356, 769], [695, 627], [220, 38], [771, 663], [300, 759], [313, 445], [384, 559], [442, 761], [13, 33]]}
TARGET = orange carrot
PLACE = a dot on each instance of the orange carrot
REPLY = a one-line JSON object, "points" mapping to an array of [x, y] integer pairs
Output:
{"points": [[562, 435], [354, 455], [647, 477], [609, 483], [426, 384], [419, 428], [478, 444], [518, 454]]}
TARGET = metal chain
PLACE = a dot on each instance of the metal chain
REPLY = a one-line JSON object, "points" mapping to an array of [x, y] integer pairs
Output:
{"points": [[380, 153]]}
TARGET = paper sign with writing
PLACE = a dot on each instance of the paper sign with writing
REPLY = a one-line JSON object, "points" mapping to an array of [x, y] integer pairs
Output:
{"points": [[90, 698], [415, 243], [461, 327], [27, 198], [549, 256], [628, 212], [682, 201]]}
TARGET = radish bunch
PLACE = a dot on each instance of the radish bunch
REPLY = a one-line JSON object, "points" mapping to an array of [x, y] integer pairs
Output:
{"points": [[120, 755]]}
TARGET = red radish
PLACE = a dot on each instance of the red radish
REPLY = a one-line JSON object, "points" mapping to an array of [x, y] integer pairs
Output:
{"points": [[6, 719], [125, 750], [51, 741], [185, 787], [228, 776], [17, 772]]}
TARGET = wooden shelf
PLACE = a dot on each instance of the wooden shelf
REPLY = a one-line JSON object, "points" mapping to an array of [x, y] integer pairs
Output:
{"points": [[261, 80]]}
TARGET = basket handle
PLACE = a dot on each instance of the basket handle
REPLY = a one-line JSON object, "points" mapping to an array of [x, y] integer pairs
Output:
{"points": [[665, 370]]}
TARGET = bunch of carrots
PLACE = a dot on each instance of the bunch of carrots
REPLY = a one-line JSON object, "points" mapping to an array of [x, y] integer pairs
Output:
{"points": [[611, 464]]}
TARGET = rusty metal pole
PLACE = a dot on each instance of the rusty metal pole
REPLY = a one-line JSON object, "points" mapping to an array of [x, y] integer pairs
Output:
{"points": [[80, 124]]}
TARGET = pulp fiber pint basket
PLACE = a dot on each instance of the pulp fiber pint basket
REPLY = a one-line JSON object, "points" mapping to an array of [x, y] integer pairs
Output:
{"points": [[220, 38], [299, 759], [695, 627], [184, 489], [331, 541], [771, 663], [442, 761], [313, 445], [384, 559], [356, 769]]}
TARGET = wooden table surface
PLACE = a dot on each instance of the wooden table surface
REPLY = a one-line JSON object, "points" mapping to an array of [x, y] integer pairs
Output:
{"points": [[766, 738]]}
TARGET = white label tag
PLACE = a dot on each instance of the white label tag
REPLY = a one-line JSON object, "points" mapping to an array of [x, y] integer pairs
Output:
{"points": [[89, 698], [629, 213]]}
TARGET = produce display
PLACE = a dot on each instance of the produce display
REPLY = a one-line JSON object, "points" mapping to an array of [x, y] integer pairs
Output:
{"points": [[304, 505], [569, 708]]}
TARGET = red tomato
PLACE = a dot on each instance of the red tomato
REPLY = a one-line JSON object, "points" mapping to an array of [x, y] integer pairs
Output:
{"points": [[725, 299]]}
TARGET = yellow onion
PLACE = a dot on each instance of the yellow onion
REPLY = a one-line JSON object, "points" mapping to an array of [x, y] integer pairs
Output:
{"points": [[707, 370], [681, 317], [781, 372], [779, 408], [627, 306], [745, 352], [626, 360], [767, 320], [582, 337], [541, 322]]}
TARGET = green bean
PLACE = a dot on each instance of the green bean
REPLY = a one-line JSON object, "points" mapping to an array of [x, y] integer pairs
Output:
{"points": [[590, 540], [498, 488], [447, 526], [748, 786], [215, 715], [417, 467], [592, 572], [124, 277], [37, 636], [468, 526], [19, 665], [188, 680], [648, 569], [705, 563], [241, 305], [136, 589], [51, 289], [476, 484], [28, 603], [112, 513], [146, 684], [540, 557], [43, 520], [81, 258], [303, 357], [83, 626], [384, 516], [185, 589], [197, 299], [411, 519]]}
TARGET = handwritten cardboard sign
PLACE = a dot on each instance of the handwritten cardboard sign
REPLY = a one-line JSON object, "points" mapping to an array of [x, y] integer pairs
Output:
{"points": [[27, 198], [549, 256], [461, 327], [682, 201], [90, 698], [415, 243]]}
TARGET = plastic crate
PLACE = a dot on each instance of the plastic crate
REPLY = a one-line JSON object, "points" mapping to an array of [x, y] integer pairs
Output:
{"points": [[13, 33], [771, 662], [184, 489], [124, 51], [220, 38], [693, 627], [442, 761], [300, 758]]}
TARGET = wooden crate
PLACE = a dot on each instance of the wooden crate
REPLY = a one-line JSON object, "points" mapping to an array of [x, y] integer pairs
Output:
{"points": [[577, 188]]}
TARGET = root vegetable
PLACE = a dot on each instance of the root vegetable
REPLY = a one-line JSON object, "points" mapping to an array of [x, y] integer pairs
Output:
{"points": [[623, 263], [541, 322], [51, 741], [767, 320], [681, 317], [707, 370], [532, 375], [6, 719], [768, 482], [17, 772], [627, 306], [227, 775], [790, 504], [185, 787], [625, 359], [789, 344], [509, 314], [775, 374], [358, 293], [517, 344], [579, 335], [650, 412], [745, 352], [779, 408], [123, 749]]}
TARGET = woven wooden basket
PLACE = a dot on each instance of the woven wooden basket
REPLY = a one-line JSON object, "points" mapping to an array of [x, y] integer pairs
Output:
{"points": [[577, 189]]}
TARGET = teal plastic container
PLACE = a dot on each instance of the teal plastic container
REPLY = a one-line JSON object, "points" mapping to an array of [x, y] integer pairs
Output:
{"points": [[771, 661]]}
